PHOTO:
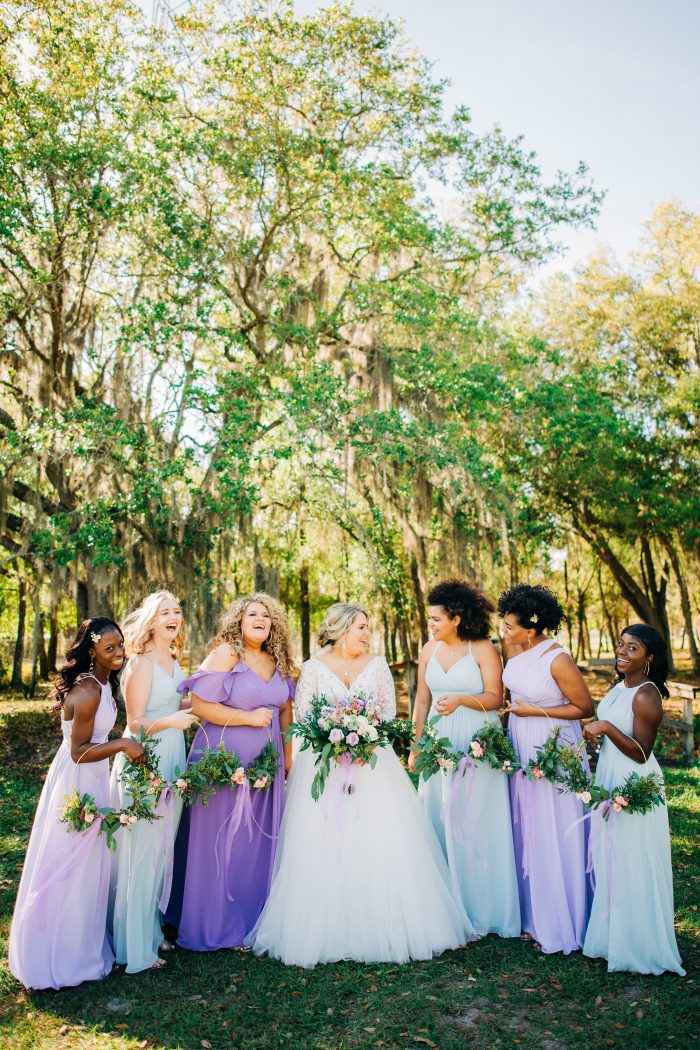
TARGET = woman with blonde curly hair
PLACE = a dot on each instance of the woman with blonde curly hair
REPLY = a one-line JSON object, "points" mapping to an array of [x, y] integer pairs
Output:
{"points": [[243, 694], [154, 637]]}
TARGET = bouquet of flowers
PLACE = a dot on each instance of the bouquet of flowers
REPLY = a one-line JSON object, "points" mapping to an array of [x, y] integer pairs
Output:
{"points": [[262, 771], [490, 744], [637, 794], [80, 812], [433, 753], [144, 783], [560, 764], [347, 731]]}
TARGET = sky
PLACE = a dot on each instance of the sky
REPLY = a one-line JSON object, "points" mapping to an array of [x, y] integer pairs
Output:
{"points": [[615, 83]]}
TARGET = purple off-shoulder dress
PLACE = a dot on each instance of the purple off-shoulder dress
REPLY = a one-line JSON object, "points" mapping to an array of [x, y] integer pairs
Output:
{"points": [[227, 877]]}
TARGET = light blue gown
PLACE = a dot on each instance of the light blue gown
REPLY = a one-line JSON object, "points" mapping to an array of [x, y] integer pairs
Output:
{"points": [[145, 851], [631, 922], [476, 834]]}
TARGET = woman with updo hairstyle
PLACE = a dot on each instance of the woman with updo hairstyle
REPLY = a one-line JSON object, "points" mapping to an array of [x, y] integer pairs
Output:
{"points": [[459, 691], [59, 931], [631, 922], [242, 694], [547, 692], [372, 838]]}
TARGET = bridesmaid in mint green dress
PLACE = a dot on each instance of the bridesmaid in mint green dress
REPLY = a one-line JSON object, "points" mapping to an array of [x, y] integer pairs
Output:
{"points": [[142, 868], [459, 680], [631, 923]]}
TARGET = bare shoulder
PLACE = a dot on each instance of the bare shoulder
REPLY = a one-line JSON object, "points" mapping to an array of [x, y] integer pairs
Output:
{"points": [[484, 647], [221, 658], [85, 694], [648, 700], [428, 650], [139, 666]]}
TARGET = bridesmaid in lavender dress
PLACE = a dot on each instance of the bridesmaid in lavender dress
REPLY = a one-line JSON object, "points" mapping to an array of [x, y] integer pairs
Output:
{"points": [[243, 694], [59, 931], [547, 691]]}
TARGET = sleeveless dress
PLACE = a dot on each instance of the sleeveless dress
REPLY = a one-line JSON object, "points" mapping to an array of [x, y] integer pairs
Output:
{"points": [[631, 922], [358, 876], [142, 865], [471, 813], [225, 878], [550, 858], [59, 931]]}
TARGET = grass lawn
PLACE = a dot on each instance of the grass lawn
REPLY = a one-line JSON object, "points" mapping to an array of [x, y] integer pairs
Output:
{"points": [[493, 993]]}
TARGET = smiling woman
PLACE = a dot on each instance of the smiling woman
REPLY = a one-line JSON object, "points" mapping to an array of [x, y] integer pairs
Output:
{"points": [[155, 637], [59, 934], [226, 849]]}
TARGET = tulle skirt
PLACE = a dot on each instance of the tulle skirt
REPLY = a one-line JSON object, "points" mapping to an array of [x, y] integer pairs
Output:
{"points": [[358, 875]]}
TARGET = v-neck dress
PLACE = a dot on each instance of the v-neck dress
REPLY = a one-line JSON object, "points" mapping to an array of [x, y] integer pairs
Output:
{"points": [[145, 852], [470, 812], [227, 876], [358, 876], [631, 922]]}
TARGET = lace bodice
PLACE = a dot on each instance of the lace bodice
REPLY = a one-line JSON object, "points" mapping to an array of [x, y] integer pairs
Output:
{"points": [[374, 681]]}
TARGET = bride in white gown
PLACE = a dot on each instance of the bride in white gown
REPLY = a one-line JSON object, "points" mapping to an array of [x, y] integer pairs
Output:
{"points": [[357, 876]]}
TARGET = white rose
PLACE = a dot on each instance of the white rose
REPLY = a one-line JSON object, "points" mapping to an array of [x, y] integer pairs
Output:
{"points": [[133, 819], [89, 817], [181, 783], [372, 733]]}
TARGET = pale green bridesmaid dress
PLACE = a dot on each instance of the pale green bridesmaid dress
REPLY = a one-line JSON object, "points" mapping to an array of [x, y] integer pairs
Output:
{"points": [[144, 853]]}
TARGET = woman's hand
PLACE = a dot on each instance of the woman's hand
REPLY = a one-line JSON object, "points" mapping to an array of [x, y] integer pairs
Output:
{"points": [[288, 760], [260, 717], [133, 751], [594, 730], [523, 709], [445, 705], [182, 720], [412, 757]]}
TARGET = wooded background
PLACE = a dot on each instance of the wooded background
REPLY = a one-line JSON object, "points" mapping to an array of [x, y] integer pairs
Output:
{"points": [[268, 321]]}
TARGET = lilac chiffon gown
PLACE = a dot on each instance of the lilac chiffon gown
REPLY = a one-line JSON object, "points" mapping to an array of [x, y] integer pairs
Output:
{"points": [[550, 859], [59, 931], [223, 880]]}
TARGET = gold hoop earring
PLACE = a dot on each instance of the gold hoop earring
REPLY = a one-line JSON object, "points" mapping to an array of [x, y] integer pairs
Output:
{"points": [[647, 665], [529, 642]]}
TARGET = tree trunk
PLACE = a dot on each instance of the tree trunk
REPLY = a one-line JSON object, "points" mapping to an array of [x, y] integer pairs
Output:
{"points": [[52, 650], [685, 605], [304, 611], [420, 600], [18, 656], [37, 629]]}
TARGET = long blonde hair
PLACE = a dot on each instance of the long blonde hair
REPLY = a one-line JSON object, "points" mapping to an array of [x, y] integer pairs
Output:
{"points": [[338, 620], [138, 625], [277, 644]]}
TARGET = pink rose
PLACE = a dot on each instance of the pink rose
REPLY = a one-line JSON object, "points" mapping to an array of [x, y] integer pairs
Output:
{"points": [[621, 801], [617, 807], [238, 776], [123, 818], [89, 817], [260, 782], [352, 739], [335, 736], [584, 796], [476, 749]]}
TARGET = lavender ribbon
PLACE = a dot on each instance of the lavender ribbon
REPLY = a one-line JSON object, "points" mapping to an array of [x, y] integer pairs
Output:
{"points": [[59, 872], [242, 811], [522, 807], [166, 809], [464, 830]]}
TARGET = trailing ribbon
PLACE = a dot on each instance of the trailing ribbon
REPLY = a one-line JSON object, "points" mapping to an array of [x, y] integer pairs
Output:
{"points": [[166, 809], [464, 830], [242, 811], [66, 864], [347, 766], [522, 807]]}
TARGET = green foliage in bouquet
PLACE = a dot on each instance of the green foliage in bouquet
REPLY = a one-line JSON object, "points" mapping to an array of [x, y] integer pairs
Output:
{"points": [[636, 794], [262, 771], [491, 745], [434, 753], [560, 764]]}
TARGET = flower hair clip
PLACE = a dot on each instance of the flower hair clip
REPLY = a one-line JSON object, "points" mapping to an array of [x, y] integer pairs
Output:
{"points": [[534, 618], [95, 636]]}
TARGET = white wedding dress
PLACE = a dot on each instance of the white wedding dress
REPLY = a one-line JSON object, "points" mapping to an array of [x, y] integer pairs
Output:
{"points": [[357, 876]]}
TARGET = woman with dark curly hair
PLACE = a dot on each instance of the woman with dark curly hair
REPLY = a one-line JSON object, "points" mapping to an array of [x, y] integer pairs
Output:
{"points": [[59, 931], [243, 694], [459, 683], [547, 692], [631, 922]]}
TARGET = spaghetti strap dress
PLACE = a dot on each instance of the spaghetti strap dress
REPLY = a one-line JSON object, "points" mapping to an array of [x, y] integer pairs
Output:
{"points": [[470, 813], [631, 922], [58, 937], [550, 848], [142, 865]]}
